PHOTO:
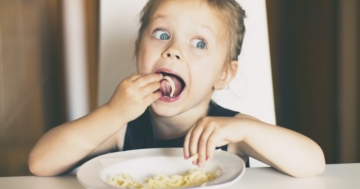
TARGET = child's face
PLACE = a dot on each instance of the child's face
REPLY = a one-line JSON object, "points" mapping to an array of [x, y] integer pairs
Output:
{"points": [[184, 38]]}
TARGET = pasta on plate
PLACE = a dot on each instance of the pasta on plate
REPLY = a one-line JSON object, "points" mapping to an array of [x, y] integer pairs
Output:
{"points": [[192, 178]]}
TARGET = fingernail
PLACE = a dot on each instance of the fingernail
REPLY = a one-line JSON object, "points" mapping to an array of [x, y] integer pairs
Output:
{"points": [[194, 162], [200, 164], [207, 158], [185, 156]]}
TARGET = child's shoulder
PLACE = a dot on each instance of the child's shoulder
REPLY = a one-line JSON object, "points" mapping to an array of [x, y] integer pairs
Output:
{"points": [[217, 110]]}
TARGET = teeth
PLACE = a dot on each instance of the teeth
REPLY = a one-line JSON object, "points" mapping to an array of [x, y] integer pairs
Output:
{"points": [[172, 85]]}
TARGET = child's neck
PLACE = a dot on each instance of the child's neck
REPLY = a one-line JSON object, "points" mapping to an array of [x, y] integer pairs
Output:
{"points": [[166, 128]]}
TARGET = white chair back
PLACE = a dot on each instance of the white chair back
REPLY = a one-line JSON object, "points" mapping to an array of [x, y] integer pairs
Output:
{"points": [[251, 92]]}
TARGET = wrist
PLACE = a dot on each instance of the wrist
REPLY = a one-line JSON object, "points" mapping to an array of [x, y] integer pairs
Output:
{"points": [[114, 114], [243, 126]]}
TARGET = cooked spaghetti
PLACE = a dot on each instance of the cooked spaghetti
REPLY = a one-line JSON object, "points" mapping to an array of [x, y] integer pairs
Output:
{"points": [[192, 178]]}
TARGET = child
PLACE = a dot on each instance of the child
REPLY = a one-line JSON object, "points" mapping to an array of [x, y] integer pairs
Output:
{"points": [[194, 45]]}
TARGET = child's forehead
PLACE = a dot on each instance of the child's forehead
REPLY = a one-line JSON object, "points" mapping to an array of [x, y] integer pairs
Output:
{"points": [[185, 8], [197, 11]]}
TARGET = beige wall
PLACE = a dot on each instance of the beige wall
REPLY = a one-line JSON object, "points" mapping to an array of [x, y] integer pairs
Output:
{"points": [[30, 81], [315, 59], [349, 93]]}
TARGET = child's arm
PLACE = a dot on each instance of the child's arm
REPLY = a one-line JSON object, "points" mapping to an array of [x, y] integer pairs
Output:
{"points": [[286, 150], [64, 146]]}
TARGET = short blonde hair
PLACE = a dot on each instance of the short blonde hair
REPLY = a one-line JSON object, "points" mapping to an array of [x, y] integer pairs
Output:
{"points": [[229, 10]]}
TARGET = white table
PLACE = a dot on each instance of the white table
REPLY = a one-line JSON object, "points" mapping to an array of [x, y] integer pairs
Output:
{"points": [[343, 176]]}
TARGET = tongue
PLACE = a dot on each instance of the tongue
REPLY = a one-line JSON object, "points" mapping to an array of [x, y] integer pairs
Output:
{"points": [[166, 89]]}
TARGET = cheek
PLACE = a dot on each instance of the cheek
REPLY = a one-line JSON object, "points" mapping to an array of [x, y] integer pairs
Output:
{"points": [[140, 65], [144, 61], [204, 78], [205, 74]]}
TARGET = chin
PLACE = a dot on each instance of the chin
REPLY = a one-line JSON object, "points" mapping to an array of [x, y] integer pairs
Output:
{"points": [[165, 111]]}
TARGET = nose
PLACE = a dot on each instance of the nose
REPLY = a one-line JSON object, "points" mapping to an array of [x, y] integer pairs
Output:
{"points": [[174, 55], [173, 52]]}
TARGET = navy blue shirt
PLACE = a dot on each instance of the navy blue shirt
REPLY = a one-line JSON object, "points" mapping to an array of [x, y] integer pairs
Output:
{"points": [[139, 132]]}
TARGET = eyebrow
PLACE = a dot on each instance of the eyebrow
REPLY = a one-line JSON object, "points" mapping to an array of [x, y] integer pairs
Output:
{"points": [[207, 27], [162, 16], [158, 16]]}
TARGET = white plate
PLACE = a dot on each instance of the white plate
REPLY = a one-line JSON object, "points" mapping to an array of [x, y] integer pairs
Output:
{"points": [[146, 163]]}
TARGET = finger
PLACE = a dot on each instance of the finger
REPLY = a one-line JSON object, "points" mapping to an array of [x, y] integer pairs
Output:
{"points": [[211, 144], [187, 142], [150, 87], [135, 76], [152, 97], [202, 147], [147, 78], [194, 140]]}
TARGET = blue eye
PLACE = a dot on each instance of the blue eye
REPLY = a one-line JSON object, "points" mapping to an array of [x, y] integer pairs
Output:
{"points": [[162, 35], [198, 43]]}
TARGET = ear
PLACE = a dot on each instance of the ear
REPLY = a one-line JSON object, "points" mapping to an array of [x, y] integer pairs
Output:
{"points": [[227, 75]]}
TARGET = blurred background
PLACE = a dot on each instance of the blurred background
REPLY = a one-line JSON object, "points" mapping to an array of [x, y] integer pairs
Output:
{"points": [[314, 44]]}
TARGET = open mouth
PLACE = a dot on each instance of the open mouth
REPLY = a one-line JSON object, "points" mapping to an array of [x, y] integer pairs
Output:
{"points": [[171, 85]]}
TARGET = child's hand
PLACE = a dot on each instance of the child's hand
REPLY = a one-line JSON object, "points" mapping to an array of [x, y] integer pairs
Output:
{"points": [[209, 133], [134, 94]]}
